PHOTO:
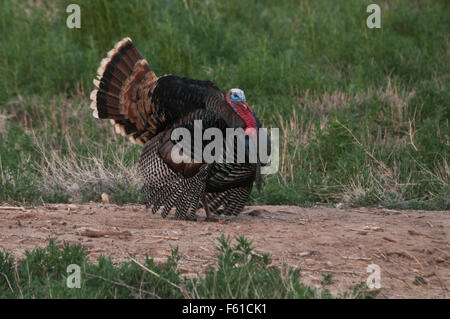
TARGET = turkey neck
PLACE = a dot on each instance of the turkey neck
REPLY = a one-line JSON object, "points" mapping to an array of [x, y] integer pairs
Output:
{"points": [[222, 108]]}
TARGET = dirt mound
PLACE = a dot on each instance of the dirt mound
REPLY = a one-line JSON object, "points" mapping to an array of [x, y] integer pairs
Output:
{"points": [[410, 247]]}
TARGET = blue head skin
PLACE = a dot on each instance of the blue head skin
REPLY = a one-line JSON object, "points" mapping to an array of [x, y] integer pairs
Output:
{"points": [[237, 96]]}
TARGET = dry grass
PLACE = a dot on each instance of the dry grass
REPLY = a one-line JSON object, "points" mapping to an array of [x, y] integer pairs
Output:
{"points": [[393, 130], [71, 154], [4, 116], [397, 102], [59, 120], [325, 104], [73, 174]]}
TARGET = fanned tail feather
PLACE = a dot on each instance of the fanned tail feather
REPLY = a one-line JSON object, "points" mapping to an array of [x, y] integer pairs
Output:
{"points": [[119, 77]]}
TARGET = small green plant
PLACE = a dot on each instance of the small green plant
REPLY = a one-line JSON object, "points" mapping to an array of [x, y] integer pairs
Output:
{"points": [[419, 281], [239, 273], [242, 274], [327, 279], [361, 291]]}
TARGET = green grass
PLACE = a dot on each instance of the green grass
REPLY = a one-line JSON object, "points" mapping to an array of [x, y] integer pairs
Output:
{"points": [[238, 273], [363, 112]]}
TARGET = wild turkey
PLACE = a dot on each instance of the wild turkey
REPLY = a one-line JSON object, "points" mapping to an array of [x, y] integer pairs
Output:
{"points": [[147, 109]]}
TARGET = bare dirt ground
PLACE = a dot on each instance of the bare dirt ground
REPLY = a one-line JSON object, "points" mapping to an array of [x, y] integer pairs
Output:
{"points": [[410, 247]]}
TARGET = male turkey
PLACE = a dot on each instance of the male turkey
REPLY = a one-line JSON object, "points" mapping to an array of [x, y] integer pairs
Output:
{"points": [[147, 109]]}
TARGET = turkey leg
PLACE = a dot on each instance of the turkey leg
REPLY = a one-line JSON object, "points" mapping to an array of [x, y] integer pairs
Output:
{"points": [[209, 217]]}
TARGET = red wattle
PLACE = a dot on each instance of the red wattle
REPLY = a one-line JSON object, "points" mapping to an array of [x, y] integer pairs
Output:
{"points": [[246, 113], [250, 131]]}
